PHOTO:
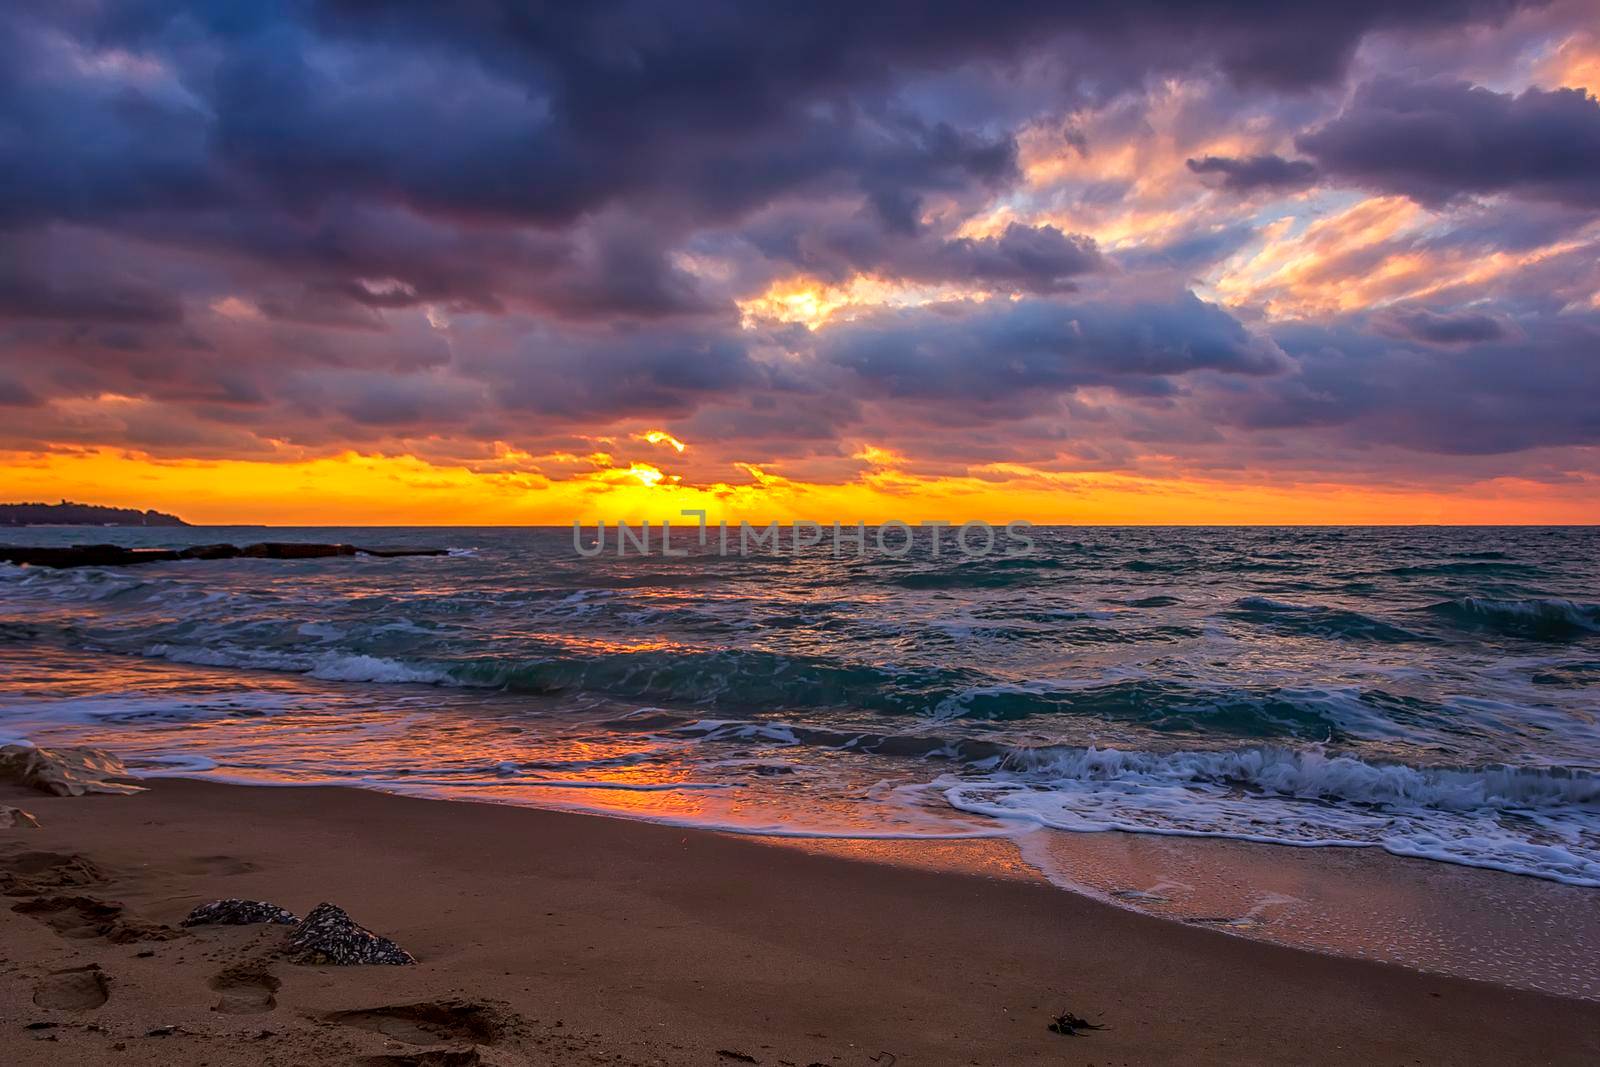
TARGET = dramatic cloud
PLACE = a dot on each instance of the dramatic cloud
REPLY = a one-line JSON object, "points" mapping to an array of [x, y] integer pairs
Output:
{"points": [[1042, 349], [1481, 399], [1256, 172], [1462, 327], [1437, 140], [839, 242]]}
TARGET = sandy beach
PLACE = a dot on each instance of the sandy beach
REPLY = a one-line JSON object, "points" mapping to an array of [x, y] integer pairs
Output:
{"points": [[554, 938], [903, 534]]}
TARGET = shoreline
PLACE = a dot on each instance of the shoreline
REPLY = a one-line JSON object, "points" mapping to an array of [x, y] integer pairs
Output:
{"points": [[656, 944], [1503, 928], [1432, 916]]}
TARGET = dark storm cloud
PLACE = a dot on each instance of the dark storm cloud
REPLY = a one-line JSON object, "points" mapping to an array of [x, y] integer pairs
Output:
{"points": [[545, 113], [97, 300], [606, 375], [1039, 259], [323, 222], [1006, 353], [1255, 172], [1437, 140], [15, 394], [735, 61], [1486, 398], [1452, 328]]}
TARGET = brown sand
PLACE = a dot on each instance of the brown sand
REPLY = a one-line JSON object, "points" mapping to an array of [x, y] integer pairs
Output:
{"points": [[551, 938]]}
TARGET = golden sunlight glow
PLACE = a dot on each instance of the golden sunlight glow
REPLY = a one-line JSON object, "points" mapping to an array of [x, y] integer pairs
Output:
{"points": [[646, 474], [356, 489], [813, 303], [879, 457], [661, 437]]}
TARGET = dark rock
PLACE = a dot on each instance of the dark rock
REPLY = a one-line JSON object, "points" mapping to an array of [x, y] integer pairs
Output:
{"points": [[236, 912], [118, 556], [294, 550], [86, 556], [63, 772], [329, 936], [209, 552], [1069, 1025]]}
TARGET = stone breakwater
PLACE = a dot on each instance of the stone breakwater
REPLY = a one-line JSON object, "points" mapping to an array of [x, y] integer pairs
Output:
{"points": [[118, 556]]}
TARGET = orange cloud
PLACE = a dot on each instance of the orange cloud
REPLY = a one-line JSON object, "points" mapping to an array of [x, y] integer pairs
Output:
{"points": [[1366, 256], [1574, 64]]}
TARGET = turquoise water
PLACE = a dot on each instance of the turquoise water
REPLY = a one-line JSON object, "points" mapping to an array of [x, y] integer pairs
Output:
{"points": [[1428, 691]]}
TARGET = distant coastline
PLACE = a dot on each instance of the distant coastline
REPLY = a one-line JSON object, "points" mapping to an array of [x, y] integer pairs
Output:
{"points": [[67, 513]]}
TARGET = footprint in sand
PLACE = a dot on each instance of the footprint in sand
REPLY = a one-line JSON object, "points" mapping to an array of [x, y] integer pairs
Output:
{"points": [[443, 1057], [217, 865], [75, 989], [86, 917], [247, 989], [31, 873], [432, 1022]]}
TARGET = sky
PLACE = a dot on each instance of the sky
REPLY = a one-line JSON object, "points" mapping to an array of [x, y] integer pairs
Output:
{"points": [[1161, 261]]}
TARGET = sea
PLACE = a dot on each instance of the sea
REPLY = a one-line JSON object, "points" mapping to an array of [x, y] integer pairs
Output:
{"points": [[1426, 692]]}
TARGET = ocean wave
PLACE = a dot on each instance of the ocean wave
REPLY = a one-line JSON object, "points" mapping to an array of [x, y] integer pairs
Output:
{"points": [[1317, 620], [751, 679], [1547, 619], [1477, 567], [1538, 821], [328, 666], [1313, 774], [134, 708], [993, 572], [741, 679], [1151, 602]]}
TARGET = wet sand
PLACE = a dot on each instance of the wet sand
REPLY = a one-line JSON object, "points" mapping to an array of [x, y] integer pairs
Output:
{"points": [[554, 938]]}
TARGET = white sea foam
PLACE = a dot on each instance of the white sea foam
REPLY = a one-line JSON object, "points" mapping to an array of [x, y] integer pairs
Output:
{"points": [[323, 630], [1536, 821], [135, 707], [328, 666], [175, 766], [353, 668]]}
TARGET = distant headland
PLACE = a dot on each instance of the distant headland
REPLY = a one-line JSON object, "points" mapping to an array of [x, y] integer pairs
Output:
{"points": [[67, 513]]}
